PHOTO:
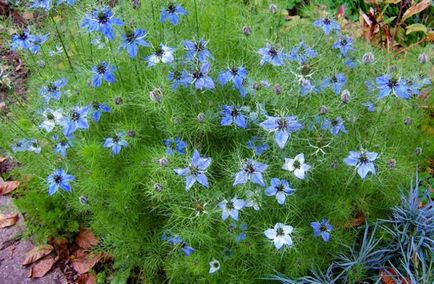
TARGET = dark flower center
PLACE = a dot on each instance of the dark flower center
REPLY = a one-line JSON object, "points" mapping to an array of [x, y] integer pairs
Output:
{"points": [[280, 232], [235, 112], [335, 122], [296, 164], [35, 145], [194, 171], [197, 75], [344, 42], [199, 46], [102, 18], [101, 68], [234, 71], [51, 87], [131, 37], [23, 36], [116, 139], [305, 70], [230, 205], [159, 52], [280, 187], [334, 79], [323, 228], [176, 75], [272, 52], [58, 179], [249, 169], [171, 8], [50, 116], [215, 264], [327, 22], [392, 83], [75, 116], [96, 105], [281, 124], [63, 143], [363, 159]]}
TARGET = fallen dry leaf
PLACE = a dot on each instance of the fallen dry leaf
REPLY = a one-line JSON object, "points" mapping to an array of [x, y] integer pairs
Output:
{"points": [[358, 220], [390, 276], [37, 253], [415, 9], [86, 239], [8, 220], [86, 278], [40, 268], [83, 264], [8, 186], [2, 159]]}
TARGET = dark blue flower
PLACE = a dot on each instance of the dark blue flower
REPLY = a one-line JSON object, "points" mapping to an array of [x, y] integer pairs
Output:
{"points": [[239, 230], [236, 75], [306, 87], [179, 78], [363, 161], [171, 14], [334, 125], [20, 146], [344, 44], [132, 40], [103, 71], [258, 149], [98, 109], [301, 53], [42, 4], [24, 40], [280, 189], [233, 114], [101, 20], [196, 50], [327, 25], [76, 120], [350, 63], [62, 146], [271, 55], [416, 84], [200, 78], [116, 143], [179, 243], [175, 144], [336, 83], [53, 90], [282, 126], [369, 106], [195, 171], [386, 85], [251, 170], [322, 229], [59, 179], [162, 54]]}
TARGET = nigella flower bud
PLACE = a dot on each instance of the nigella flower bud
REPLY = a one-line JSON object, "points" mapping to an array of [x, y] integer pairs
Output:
{"points": [[83, 200], [256, 86], [156, 95], [407, 121], [158, 187], [323, 110], [345, 96], [201, 117], [40, 63], [131, 133], [277, 89], [247, 31], [163, 162], [418, 151], [118, 101], [368, 58], [423, 58], [391, 164], [136, 4], [334, 165], [273, 8]]}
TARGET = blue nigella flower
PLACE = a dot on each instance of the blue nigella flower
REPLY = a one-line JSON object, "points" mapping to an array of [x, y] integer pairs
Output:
{"points": [[386, 85], [179, 243], [280, 189], [162, 54], [239, 230], [101, 20], [306, 87], [53, 90], [344, 44], [336, 83], [179, 78], [51, 118], [171, 14], [34, 146], [271, 55], [322, 229], [282, 126], [363, 161], [327, 25], [69, 2], [236, 75], [416, 84], [175, 144], [20, 146], [350, 63], [301, 53], [103, 71], [231, 208], [97, 109], [132, 39], [369, 106], [334, 125], [62, 146], [196, 50], [258, 149], [251, 170], [195, 171], [233, 114], [116, 143], [59, 179], [41, 4], [200, 78], [76, 120], [24, 40]]}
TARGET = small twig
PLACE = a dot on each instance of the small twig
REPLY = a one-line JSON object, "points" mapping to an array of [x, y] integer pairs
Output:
{"points": [[398, 21]]}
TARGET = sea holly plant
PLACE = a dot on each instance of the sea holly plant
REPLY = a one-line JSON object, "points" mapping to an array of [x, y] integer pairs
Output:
{"points": [[235, 136]]}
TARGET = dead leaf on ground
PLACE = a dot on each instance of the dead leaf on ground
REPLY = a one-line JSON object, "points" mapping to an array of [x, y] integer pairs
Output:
{"points": [[390, 276], [8, 186], [86, 278], [86, 239], [2, 159], [42, 267], [37, 253], [8, 220], [83, 264], [358, 220]]}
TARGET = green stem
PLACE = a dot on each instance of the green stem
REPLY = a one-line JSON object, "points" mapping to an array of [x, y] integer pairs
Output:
{"points": [[378, 120], [197, 18], [115, 60], [63, 44]]}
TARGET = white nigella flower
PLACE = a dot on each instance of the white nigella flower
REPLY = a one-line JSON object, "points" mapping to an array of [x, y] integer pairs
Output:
{"points": [[34, 146], [280, 235], [214, 266], [297, 166], [51, 118], [162, 54], [252, 199]]}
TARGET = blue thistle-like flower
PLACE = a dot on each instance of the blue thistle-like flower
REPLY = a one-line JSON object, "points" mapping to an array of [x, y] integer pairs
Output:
{"points": [[335, 125], [103, 71], [280, 189], [53, 90], [76, 120], [132, 39], [98, 109], [175, 144], [344, 44], [116, 143], [101, 20], [59, 179], [236, 75], [327, 25], [336, 83], [171, 14], [233, 114], [271, 55], [301, 53], [231, 208], [387, 85], [322, 229], [251, 170], [282, 127], [178, 78], [197, 50], [363, 161], [200, 78], [195, 171]]}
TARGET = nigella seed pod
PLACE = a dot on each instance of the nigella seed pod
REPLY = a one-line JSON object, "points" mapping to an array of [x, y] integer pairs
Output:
{"points": [[277, 89], [163, 162], [273, 8], [131, 133], [156, 95], [407, 121], [368, 58], [391, 164], [323, 110], [345, 96], [158, 187], [423, 58], [83, 200], [418, 151], [201, 117], [247, 31], [118, 101]]}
